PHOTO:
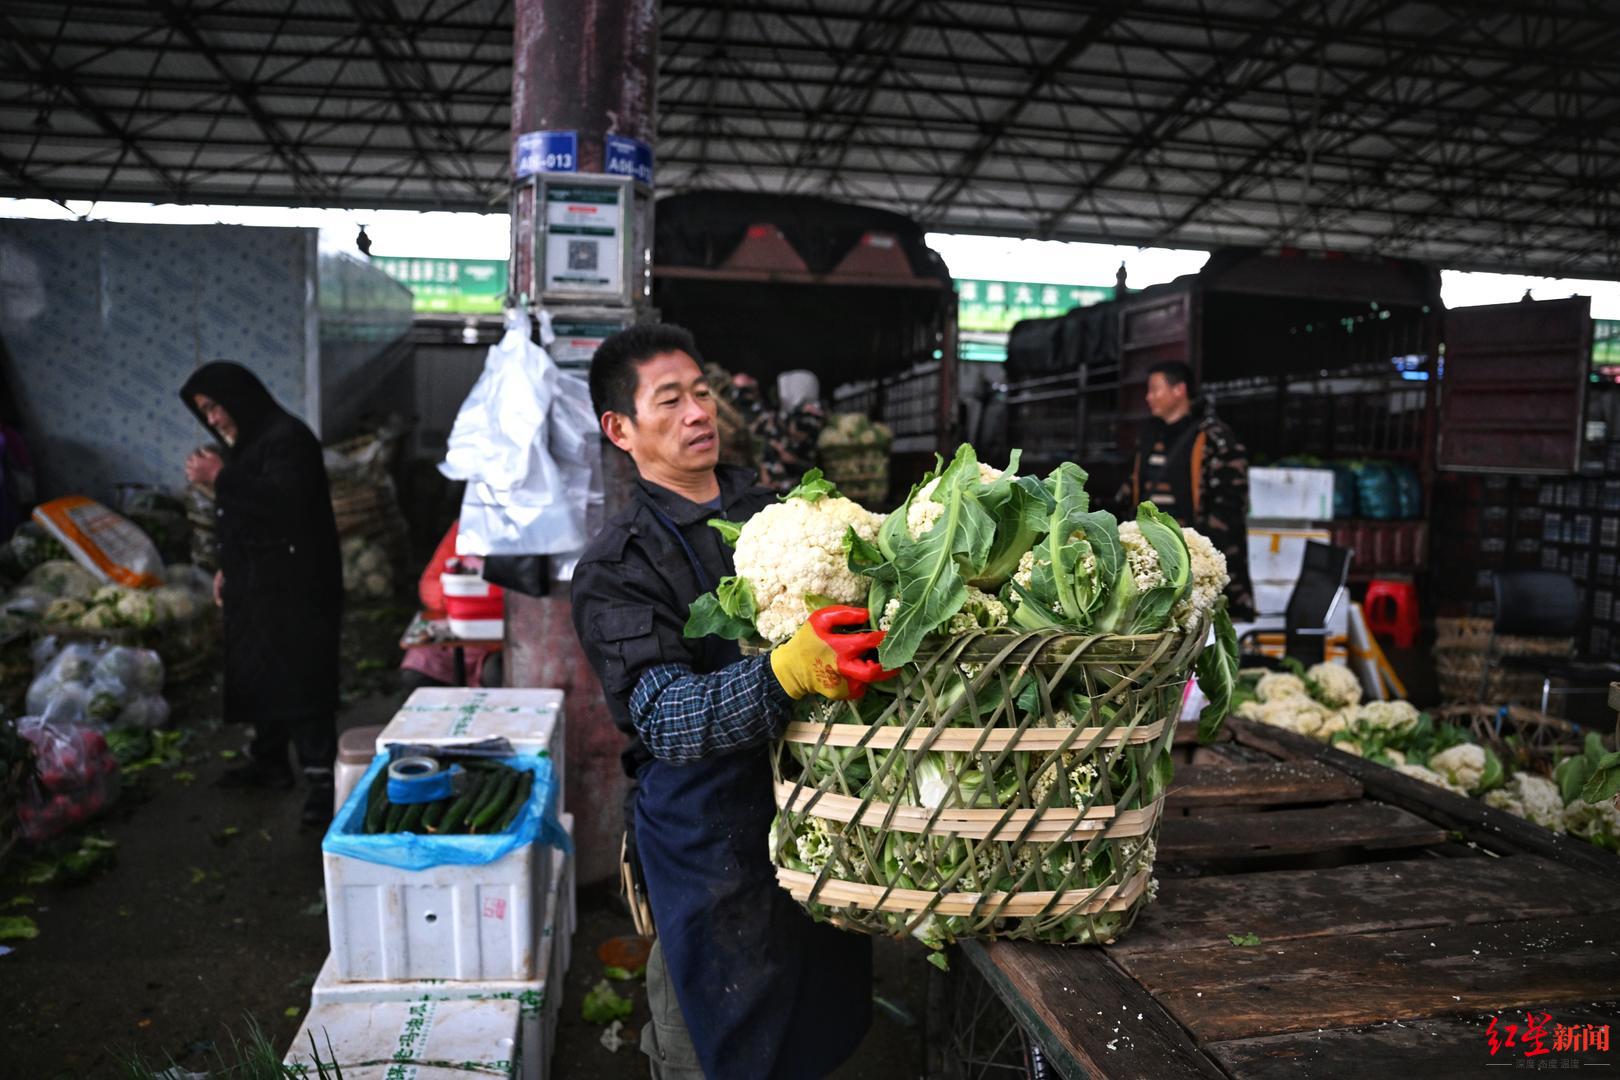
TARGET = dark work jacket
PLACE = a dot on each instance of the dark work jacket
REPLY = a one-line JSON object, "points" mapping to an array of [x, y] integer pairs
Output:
{"points": [[634, 584], [766, 992], [278, 550]]}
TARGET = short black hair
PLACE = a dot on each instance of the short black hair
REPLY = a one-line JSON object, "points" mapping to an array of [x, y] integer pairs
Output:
{"points": [[613, 367], [1176, 374]]}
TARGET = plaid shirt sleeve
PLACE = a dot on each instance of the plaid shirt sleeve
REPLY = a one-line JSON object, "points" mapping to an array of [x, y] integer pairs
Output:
{"points": [[684, 717]]}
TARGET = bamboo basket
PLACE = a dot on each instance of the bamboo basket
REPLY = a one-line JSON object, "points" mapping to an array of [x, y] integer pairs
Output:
{"points": [[1062, 852], [1525, 740]]}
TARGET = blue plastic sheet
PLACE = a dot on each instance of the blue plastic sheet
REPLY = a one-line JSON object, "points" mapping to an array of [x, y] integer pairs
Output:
{"points": [[538, 823]]}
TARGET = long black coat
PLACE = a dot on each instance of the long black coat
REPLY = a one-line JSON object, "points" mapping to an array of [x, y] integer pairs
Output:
{"points": [[278, 549]]}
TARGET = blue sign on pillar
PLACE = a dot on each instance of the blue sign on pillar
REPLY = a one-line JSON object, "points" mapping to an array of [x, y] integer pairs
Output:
{"points": [[629, 157], [545, 152]]}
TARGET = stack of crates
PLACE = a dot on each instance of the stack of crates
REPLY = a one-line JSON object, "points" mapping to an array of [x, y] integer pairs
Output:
{"points": [[478, 947]]}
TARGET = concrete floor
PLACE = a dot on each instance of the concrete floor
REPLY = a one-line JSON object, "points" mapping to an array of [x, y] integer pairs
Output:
{"points": [[213, 914]]}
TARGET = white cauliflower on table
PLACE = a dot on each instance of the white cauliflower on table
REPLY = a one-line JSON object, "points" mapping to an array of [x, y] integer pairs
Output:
{"points": [[1395, 716], [1276, 685], [1336, 685], [1297, 714], [1429, 776], [1463, 765], [1598, 823], [795, 548], [1534, 798]]}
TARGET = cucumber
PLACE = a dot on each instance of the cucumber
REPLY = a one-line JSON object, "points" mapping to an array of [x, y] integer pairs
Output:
{"points": [[377, 803], [396, 816], [492, 809], [491, 788], [519, 800], [435, 813], [452, 817], [413, 817]]}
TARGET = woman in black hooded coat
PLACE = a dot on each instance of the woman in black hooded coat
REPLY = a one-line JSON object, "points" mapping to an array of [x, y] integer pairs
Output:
{"points": [[280, 579]]}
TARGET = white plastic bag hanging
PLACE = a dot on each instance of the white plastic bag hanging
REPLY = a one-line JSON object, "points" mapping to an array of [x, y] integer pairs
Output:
{"points": [[519, 500]]}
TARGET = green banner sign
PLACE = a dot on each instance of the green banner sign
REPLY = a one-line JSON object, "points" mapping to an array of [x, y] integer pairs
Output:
{"points": [[995, 305], [1605, 342], [450, 286]]}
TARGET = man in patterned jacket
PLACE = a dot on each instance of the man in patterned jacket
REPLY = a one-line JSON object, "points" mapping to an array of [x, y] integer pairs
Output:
{"points": [[1190, 465]]}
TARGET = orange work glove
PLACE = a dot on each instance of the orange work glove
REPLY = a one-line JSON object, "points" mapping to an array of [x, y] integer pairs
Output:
{"points": [[828, 655]]}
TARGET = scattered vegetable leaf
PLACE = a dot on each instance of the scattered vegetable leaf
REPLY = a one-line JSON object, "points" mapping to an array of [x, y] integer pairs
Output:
{"points": [[603, 1006]]}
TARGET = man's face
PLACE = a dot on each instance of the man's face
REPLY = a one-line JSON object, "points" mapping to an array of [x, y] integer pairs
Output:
{"points": [[217, 418], [1165, 398], [673, 432]]}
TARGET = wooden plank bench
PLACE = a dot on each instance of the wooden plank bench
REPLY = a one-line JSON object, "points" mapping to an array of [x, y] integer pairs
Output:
{"points": [[1277, 783], [1380, 966]]}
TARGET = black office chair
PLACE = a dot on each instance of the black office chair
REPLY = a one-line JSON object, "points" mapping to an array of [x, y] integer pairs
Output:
{"points": [[1311, 605], [1539, 603]]}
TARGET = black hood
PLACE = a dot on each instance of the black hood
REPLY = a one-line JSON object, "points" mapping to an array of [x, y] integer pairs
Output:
{"points": [[239, 391]]}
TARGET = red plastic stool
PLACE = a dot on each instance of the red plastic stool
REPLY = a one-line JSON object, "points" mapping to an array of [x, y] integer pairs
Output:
{"points": [[1391, 608]]}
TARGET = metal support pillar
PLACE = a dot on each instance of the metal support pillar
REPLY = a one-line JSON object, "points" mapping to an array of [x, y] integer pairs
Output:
{"points": [[586, 70]]}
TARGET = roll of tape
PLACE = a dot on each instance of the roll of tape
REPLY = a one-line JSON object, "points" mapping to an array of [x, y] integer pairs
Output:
{"points": [[417, 779]]}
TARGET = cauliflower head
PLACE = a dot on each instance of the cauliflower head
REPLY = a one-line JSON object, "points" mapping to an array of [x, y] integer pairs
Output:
{"points": [[1337, 686], [1396, 716], [1209, 579], [1297, 714], [1141, 561], [1534, 798], [1429, 776], [1598, 823], [924, 512], [135, 608], [1463, 765], [1276, 685], [796, 547]]}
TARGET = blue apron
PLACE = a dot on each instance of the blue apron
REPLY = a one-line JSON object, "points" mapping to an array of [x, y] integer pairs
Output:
{"points": [[766, 992]]}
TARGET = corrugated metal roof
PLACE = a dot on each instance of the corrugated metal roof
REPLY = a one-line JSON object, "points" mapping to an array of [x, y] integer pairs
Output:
{"points": [[1466, 134]]}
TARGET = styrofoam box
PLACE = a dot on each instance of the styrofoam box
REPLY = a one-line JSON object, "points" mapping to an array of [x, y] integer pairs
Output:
{"points": [[1277, 552], [1291, 494], [452, 921], [427, 1040], [532, 720], [1271, 597], [540, 1000]]}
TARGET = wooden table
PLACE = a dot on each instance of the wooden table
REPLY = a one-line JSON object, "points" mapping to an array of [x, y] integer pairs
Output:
{"points": [[1394, 919]]}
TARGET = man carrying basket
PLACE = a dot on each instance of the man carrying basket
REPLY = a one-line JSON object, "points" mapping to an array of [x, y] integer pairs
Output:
{"points": [[742, 982]]}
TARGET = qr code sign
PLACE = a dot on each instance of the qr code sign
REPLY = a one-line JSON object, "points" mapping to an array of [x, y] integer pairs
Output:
{"points": [[495, 908], [582, 254]]}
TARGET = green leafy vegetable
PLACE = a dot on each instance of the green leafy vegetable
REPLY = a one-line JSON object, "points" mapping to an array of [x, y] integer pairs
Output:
{"points": [[1603, 779], [1247, 941], [18, 928], [814, 486], [728, 530], [603, 1006], [1218, 675], [727, 612]]}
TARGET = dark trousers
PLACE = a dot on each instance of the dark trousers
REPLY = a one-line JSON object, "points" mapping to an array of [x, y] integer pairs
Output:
{"points": [[313, 736]]}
